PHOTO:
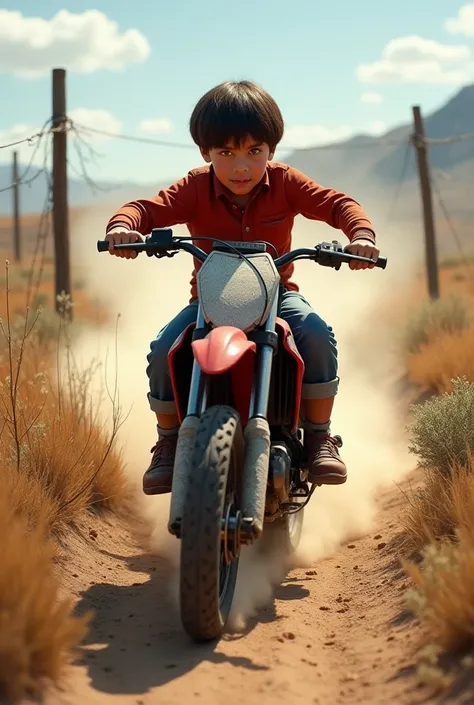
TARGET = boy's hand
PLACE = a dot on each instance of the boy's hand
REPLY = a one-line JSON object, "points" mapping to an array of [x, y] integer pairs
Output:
{"points": [[362, 248], [120, 236]]}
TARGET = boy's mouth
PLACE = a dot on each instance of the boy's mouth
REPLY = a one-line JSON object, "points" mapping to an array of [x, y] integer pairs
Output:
{"points": [[240, 181]]}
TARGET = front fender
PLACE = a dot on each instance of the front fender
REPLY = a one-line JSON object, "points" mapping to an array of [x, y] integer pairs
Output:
{"points": [[221, 349]]}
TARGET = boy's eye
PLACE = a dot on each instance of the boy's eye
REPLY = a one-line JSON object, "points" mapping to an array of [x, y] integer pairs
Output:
{"points": [[255, 150], [226, 153]]}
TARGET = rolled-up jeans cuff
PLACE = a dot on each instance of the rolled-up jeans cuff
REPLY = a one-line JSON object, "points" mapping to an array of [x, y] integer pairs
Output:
{"points": [[161, 407], [320, 390]]}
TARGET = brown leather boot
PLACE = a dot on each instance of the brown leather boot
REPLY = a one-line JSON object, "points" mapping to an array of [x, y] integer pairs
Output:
{"points": [[159, 476], [325, 466]]}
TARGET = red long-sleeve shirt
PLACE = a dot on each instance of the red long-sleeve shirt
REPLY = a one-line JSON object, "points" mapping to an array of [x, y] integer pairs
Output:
{"points": [[200, 201]]}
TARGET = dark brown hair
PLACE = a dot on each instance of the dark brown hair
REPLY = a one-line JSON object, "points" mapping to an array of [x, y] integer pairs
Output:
{"points": [[234, 110]]}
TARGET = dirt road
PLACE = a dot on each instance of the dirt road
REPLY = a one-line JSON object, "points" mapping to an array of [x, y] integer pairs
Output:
{"points": [[335, 633]]}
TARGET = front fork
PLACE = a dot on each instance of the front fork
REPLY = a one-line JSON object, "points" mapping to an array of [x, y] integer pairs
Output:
{"points": [[199, 387], [247, 524]]}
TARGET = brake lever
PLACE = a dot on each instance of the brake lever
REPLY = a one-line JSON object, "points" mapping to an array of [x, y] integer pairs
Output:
{"points": [[326, 252], [160, 255]]}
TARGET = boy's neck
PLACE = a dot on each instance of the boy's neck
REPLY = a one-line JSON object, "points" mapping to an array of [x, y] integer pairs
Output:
{"points": [[241, 201]]}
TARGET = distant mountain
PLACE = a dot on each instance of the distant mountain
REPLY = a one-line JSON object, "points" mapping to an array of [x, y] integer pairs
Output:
{"points": [[365, 164], [367, 167], [455, 118]]}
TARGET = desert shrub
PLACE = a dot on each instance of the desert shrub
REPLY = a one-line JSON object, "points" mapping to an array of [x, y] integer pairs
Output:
{"points": [[442, 429]]}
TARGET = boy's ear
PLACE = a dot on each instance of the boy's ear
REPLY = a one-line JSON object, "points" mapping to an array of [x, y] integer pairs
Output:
{"points": [[205, 155]]}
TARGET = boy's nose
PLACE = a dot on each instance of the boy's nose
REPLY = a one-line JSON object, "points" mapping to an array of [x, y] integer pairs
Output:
{"points": [[241, 168]]}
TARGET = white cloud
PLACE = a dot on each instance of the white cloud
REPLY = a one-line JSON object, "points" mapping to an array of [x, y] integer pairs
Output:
{"points": [[371, 97], [377, 127], [97, 119], [413, 59], [83, 43], [159, 126], [301, 136], [463, 23]]}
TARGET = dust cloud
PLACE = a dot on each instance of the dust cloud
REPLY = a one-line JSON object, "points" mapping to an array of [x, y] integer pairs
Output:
{"points": [[147, 292]]}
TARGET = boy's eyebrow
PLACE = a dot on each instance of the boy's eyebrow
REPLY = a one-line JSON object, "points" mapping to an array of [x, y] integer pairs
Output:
{"points": [[252, 146]]}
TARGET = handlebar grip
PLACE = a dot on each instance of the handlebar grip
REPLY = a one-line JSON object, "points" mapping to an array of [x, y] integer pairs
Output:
{"points": [[102, 246], [381, 262]]}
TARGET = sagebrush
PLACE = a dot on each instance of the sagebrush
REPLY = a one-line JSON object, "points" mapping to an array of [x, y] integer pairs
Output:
{"points": [[442, 430]]}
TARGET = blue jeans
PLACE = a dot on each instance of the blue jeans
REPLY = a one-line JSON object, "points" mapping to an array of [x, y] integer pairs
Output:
{"points": [[313, 337]]}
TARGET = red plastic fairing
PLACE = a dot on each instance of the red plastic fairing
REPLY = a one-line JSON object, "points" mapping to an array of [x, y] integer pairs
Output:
{"points": [[221, 349], [291, 349]]}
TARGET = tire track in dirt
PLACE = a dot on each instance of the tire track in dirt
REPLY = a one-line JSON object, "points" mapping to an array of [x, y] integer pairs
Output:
{"points": [[335, 633]]}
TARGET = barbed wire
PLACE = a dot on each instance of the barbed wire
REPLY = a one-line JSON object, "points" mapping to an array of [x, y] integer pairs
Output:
{"points": [[466, 137], [292, 147], [449, 222], [81, 145], [86, 154], [69, 124], [23, 179], [400, 181], [35, 273], [134, 138], [29, 139]]}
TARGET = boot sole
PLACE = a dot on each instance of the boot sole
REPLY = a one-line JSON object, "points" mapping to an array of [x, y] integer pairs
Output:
{"points": [[156, 490], [328, 480]]}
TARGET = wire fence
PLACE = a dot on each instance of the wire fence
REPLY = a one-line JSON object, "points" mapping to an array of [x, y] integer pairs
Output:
{"points": [[85, 153], [80, 145]]}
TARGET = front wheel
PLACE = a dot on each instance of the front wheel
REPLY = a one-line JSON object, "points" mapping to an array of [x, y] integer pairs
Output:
{"points": [[209, 552]]}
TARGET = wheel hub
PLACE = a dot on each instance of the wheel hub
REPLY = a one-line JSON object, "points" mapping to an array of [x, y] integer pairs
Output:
{"points": [[230, 533]]}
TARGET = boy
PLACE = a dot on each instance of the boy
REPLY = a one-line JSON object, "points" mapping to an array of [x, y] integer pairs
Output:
{"points": [[239, 195]]}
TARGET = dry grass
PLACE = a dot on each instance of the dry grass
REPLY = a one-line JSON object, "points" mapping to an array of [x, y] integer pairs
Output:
{"points": [[436, 363], [444, 597], [434, 318], [436, 510], [37, 631], [58, 461], [439, 518]]}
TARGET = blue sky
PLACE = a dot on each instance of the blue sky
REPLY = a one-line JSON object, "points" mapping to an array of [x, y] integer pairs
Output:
{"points": [[308, 54]]}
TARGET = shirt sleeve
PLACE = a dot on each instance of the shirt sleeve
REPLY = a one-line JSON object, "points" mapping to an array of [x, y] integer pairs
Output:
{"points": [[171, 206], [316, 202]]}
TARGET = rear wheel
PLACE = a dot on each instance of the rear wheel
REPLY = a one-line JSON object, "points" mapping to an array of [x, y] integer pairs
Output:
{"points": [[283, 535], [209, 548]]}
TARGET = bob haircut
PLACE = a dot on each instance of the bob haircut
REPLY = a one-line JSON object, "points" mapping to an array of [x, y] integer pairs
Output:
{"points": [[233, 111]]}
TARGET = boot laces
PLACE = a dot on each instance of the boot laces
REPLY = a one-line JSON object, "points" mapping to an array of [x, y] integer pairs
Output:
{"points": [[328, 445], [163, 451]]}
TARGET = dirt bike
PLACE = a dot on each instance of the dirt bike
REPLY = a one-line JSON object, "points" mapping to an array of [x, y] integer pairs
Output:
{"points": [[237, 376]]}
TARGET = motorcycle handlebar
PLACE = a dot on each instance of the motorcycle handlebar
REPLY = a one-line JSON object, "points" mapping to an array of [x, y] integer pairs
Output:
{"points": [[161, 243]]}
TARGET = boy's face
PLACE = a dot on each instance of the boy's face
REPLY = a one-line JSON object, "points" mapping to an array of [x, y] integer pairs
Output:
{"points": [[239, 167]]}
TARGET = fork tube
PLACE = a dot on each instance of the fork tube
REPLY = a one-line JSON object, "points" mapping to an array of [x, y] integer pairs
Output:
{"points": [[198, 387], [261, 390]]}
